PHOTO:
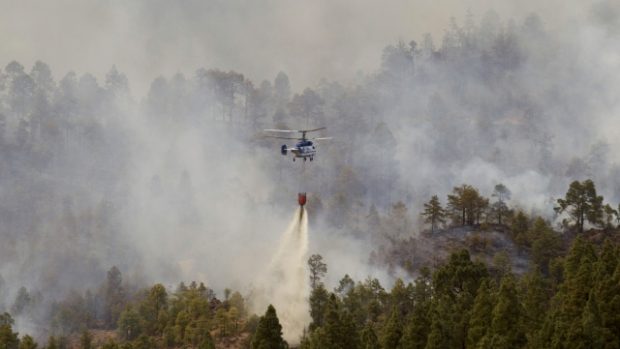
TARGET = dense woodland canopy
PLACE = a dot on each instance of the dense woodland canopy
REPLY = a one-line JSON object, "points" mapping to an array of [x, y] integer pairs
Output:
{"points": [[484, 266]]}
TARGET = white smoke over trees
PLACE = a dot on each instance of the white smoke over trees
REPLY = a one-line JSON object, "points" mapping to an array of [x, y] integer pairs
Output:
{"points": [[178, 185]]}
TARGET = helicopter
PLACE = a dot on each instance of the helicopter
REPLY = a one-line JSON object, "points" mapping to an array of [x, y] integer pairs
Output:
{"points": [[305, 147]]}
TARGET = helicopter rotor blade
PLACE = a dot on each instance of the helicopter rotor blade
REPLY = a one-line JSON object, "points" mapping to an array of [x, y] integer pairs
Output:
{"points": [[321, 138], [278, 130], [292, 131], [295, 138], [313, 130]]}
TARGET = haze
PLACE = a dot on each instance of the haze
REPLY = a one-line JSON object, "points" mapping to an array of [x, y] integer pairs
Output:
{"points": [[309, 40], [155, 166]]}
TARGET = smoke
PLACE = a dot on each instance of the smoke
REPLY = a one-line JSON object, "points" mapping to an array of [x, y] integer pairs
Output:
{"points": [[284, 283], [176, 186], [148, 38]]}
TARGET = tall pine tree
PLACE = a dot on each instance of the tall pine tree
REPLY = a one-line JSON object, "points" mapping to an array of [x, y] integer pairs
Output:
{"points": [[268, 333]]}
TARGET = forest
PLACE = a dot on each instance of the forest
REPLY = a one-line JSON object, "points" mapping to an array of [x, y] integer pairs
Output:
{"points": [[471, 174]]}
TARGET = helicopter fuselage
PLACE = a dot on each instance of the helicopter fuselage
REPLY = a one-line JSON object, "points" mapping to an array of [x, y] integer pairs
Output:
{"points": [[304, 149]]}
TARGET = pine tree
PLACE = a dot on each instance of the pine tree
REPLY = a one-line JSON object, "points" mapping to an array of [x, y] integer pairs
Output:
{"points": [[338, 330], [444, 329], [345, 286], [27, 342], [505, 330], [536, 292], [268, 334], [317, 270], [8, 338], [564, 319], [368, 338], [318, 301], [482, 314], [130, 324], [86, 340], [418, 324], [502, 193], [609, 215], [455, 284], [401, 297], [591, 333], [154, 307], [350, 336], [433, 212], [546, 244], [582, 203], [114, 297], [519, 228], [607, 288], [392, 330], [207, 342], [466, 204]]}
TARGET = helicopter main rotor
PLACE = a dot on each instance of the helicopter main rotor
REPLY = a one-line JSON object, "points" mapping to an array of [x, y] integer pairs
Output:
{"points": [[303, 133]]}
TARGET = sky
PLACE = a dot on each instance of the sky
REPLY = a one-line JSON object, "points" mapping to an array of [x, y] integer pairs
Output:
{"points": [[309, 40]]}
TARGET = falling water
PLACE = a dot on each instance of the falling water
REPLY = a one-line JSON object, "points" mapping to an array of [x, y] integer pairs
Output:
{"points": [[284, 282]]}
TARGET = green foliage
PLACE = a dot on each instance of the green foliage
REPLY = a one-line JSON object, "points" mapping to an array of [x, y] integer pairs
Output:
{"points": [[392, 331], [506, 330], [6, 319], [338, 330], [445, 331], [564, 301], [582, 203], [501, 264], [223, 321], [236, 301], [607, 290], [109, 345], [535, 292], [318, 301], [609, 216], [268, 334], [460, 277], [499, 208], [401, 297], [86, 340], [114, 294], [519, 228], [8, 338], [317, 270], [466, 204], [27, 342], [142, 342], [482, 313], [546, 244], [564, 320], [455, 285], [345, 286], [368, 338], [130, 324], [73, 314], [153, 310], [418, 324], [434, 213]]}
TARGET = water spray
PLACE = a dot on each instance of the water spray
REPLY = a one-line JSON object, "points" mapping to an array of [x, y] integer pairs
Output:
{"points": [[284, 283]]}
